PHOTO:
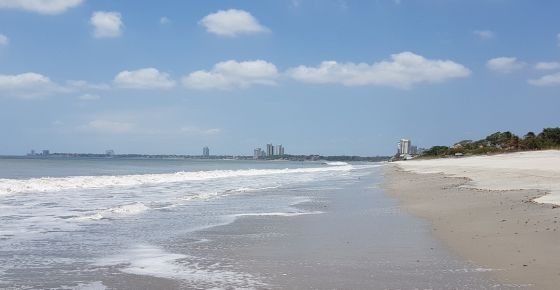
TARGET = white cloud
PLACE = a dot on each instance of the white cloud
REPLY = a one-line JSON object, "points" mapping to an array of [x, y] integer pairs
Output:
{"points": [[232, 74], [41, 6], [484, 34], [198, 131], [504, 64], [4, 40], [164, 20], [402, 71], [146, 78], [106, 24], [232, 23], [547, 65], [28, 85], [547, 80], [89, 97], [109, 126]]}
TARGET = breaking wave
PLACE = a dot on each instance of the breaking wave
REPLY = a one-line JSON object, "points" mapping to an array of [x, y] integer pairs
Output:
{"points": [[53, 184], [118, 211]]}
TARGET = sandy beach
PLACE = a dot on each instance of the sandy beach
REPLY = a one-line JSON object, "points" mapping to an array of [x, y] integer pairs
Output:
{"points": [[537, 170], [493, 210]]}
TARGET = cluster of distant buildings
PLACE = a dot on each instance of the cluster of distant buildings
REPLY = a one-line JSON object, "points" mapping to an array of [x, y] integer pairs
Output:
{"points": [[271, 151], [405, 149], [46, 152], [42, 153]]}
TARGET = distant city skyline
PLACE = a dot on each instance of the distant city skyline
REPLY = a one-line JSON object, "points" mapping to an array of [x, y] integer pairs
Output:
{"points": [[326, 77]]}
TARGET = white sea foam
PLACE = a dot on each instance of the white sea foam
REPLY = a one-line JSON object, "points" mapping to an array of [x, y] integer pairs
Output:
{"points": [[118, 211], [98, 285], [48, 184], [148, 260], [336, 163]]}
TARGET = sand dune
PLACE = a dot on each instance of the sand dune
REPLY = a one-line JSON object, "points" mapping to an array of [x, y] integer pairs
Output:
{"points": [[522, 170]]}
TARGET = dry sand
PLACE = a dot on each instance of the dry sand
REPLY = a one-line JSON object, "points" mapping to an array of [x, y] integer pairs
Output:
{"points": [[498, 229], [522, 170]]}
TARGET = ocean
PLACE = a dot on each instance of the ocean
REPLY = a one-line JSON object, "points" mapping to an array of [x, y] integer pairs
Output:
{"points": [[82, 223]]}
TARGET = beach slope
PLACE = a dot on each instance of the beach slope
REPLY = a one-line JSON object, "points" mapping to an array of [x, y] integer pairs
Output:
{"points": [[484, 209]]}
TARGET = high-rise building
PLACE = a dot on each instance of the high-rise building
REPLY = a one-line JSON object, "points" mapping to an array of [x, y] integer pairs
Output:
{"points": [[46, 152], [206, 152], [269, 150], [258, 153], [404, 146], [110, 152], [279, 150]]}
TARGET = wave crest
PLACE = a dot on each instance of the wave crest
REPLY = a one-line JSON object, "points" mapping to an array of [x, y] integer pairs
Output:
{"points": [[52, 184]]}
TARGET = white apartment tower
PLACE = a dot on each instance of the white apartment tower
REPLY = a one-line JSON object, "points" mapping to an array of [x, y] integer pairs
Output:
{"points": [[404, 146]]}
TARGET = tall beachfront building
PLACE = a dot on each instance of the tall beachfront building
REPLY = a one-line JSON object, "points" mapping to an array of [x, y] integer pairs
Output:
{"points": [[205, 151], [279, 150], [269, 150], [404, 146], [258, 153]]}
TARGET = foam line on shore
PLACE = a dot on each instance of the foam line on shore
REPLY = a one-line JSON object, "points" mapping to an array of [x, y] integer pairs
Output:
{"points": [[149, 260]]}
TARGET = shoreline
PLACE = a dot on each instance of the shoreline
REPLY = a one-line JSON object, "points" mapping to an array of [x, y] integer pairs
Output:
{"points": [[498, 229], [360, 240]]}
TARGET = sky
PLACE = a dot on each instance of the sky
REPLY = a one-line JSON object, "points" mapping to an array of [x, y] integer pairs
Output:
{"points": [[327, 77]]}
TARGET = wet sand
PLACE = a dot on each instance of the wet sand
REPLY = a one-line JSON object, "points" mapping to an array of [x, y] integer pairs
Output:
{"points": [[362, 240], [497, 229]]}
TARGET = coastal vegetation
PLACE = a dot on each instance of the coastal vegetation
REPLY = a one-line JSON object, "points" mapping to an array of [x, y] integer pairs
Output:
{"points": [[500, 142]]}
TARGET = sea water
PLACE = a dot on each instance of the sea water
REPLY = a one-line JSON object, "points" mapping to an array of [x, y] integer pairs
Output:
{"points": [[61, 219]]}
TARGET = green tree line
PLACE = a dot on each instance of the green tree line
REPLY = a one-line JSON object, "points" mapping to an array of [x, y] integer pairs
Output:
{"points": [[498, 142]]}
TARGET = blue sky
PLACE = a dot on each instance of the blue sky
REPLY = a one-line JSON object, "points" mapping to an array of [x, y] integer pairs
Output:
{"points": [[327, 77]]}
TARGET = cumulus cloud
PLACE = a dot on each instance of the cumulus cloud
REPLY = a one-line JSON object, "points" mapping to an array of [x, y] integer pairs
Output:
{"points": [[402, 71], [484, 34], [41, 6], [4, 40], [504, 64], [547, 65], [146, 78], [232, 74], [547, 80], [106, 24], [232, 23], [28, 85]]}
